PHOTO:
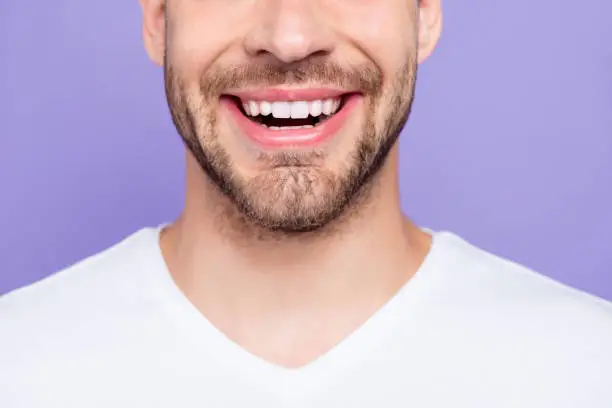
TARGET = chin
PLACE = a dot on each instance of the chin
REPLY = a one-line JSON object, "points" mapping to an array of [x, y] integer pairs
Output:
{"points": [[289, 199]]}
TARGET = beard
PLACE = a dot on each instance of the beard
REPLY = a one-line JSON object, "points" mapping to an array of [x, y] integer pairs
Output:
{"points": [[295, 192]]}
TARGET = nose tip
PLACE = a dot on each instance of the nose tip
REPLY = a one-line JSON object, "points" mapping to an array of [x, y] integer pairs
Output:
{"points": [[290, 33]]}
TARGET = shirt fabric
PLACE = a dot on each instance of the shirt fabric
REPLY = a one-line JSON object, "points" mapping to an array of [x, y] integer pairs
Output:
{"points": [[470, 329]]}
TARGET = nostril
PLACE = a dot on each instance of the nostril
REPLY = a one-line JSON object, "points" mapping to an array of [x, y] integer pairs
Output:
{"points": [[319, 54], [288, 49], [290, 62]]}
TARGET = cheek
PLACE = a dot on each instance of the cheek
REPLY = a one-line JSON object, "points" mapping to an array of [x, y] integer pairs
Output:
{"points": [[379, 26], [384, 32], [197, 37], [375, 23]]}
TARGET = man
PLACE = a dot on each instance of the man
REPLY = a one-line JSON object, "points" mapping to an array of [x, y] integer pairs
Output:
{"points": [[292, 278]]}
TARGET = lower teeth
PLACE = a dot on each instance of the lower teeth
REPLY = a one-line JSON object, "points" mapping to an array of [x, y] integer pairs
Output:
{"points": [[287, 127]]}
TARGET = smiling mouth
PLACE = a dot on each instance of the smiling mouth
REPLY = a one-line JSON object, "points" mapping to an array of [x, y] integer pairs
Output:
{"points": [[286, 118], [290, 115]]}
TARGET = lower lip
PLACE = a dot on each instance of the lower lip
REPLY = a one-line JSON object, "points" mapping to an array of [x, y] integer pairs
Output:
{"points": [[306, 137]]}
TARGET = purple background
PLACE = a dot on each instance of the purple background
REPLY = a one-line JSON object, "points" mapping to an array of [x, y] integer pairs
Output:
{"points": [[509, 145]]}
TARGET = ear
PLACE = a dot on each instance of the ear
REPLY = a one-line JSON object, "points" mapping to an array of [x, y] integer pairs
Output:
{"points": [[430, 27], [154, 28]]}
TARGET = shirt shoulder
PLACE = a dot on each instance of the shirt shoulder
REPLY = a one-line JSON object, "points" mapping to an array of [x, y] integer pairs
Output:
{"points": [[64, 335], [75, 296], [514, 327], [520, 283], [523, 302]]}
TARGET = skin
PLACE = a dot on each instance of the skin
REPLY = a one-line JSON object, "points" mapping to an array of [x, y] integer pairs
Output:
{"points": [[288, 251]]}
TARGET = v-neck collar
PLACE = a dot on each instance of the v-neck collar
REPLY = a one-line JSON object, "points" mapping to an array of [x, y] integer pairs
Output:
{"points": [[290, 383]]}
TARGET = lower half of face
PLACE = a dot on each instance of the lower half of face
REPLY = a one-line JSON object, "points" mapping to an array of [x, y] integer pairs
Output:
{"points": [[296, 159]]}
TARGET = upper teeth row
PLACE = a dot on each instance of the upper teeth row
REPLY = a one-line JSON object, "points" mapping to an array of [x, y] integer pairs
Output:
{"points": [[293, 110]]}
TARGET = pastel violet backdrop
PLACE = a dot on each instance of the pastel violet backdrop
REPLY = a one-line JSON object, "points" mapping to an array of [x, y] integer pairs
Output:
{"points": [[509, 144]]}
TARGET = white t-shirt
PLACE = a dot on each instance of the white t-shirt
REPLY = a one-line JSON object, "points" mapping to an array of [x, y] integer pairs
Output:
{"points": [[468, 330]]}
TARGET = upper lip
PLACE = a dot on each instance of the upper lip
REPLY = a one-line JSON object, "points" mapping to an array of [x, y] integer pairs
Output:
{"points": [[280, 94]]}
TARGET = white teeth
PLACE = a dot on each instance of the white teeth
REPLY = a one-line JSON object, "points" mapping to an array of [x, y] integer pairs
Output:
{"points": [[281, 110], [316, 107], [265, 108], [254, 108], [336, 105], [299, 110], [288, 127], [328, 106], [293, 109]]}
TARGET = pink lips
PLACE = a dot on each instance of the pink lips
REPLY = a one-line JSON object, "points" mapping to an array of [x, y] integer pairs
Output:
{"points": [[306, 137]]}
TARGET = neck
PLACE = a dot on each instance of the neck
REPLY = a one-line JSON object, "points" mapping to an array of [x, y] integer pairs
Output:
{"points": [[249, 283]]}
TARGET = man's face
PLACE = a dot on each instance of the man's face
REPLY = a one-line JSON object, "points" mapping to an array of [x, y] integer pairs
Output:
{"points": [[290, 106]]}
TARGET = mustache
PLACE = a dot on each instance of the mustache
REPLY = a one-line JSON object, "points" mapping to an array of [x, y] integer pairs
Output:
{"points": [[365, 78]]}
